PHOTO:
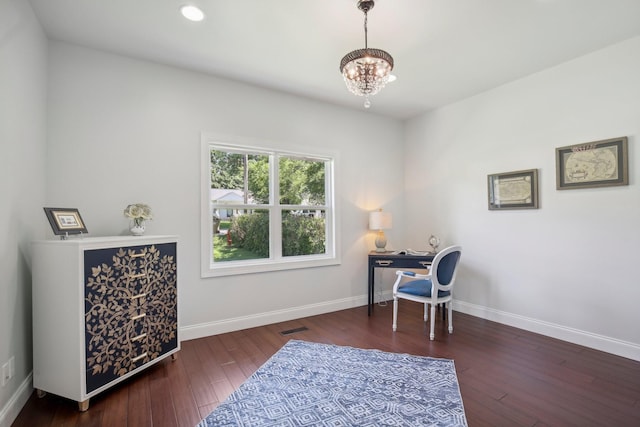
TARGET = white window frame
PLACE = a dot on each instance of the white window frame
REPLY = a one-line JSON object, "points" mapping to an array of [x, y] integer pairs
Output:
{"points": [[275, 262]]}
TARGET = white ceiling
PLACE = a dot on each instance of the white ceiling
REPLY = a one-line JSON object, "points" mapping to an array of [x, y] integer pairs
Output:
{"points": [[444, 50]]}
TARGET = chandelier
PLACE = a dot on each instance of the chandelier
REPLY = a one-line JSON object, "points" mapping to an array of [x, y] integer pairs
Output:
{"points": [[366, 71]]}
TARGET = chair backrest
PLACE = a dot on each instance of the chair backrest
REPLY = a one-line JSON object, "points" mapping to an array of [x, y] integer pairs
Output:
{"points": [[445, 266]]}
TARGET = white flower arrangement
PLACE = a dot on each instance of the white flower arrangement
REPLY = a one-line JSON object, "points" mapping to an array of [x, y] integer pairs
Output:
{"points": [[139, 213]]}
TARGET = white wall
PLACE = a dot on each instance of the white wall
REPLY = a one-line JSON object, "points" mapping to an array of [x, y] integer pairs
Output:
{"points": [[22, 174], [123, 131], [568, 269]]}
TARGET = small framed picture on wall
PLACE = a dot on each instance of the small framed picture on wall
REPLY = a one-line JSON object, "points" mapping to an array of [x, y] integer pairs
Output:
{"points": [[513, 190]]}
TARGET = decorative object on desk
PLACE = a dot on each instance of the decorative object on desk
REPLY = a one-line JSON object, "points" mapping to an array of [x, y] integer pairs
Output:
{"points": [[513, 190], [379, 221], [65, 221], [139, 213], [308, 383], [366, 71], [411, 252], [434, 242], [594, 164]]}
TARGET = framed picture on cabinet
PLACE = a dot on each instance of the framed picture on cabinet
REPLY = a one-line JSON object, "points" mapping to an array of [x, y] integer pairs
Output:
{"points": [[513, 190], [592, 164], [65, 221]]}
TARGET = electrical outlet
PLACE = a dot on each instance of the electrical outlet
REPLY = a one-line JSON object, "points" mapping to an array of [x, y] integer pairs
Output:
{"points": [[8, 371], [6, 374]]}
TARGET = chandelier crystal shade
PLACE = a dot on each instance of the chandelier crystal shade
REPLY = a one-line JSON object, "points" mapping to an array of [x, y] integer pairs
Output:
{"points": [[366, 71]]}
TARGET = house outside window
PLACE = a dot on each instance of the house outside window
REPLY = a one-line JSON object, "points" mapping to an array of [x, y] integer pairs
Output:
{"points": [[265, 210]]}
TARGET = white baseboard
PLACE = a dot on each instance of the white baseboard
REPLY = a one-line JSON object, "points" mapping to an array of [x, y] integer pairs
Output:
{"points": [[576, 336], [13, 407], [260, 319]]}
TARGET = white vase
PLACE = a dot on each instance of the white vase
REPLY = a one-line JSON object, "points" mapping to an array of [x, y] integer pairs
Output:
{"points": [[137, 229]]}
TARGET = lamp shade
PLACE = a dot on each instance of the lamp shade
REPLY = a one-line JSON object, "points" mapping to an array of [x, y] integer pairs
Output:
{"points": [[379, 220]]}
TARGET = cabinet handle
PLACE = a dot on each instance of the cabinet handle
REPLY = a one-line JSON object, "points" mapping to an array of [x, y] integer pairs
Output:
{"points": [[139, 337], [425, 264], [142, 356], [139, 316], [138, 296], [384, 262], [137, 276], [141, 254]]}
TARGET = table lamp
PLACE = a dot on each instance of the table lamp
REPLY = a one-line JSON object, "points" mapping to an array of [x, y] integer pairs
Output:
{"points": [[379, 221]]}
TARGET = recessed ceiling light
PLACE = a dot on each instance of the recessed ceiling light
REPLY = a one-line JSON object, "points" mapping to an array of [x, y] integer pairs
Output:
{"points": [[192, 13]]}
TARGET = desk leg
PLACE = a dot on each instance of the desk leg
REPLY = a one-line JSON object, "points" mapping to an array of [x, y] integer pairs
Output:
{"points": [[370, 299]]}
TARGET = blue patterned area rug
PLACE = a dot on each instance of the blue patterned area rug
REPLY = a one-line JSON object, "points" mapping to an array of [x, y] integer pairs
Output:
{"points": [[310, 384]]}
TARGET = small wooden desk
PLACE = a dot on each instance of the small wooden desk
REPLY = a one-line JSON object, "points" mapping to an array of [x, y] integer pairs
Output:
{"points": [[391, 260]]}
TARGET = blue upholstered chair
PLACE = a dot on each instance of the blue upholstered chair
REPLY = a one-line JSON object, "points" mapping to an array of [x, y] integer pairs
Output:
{"points": [[433, 288]]}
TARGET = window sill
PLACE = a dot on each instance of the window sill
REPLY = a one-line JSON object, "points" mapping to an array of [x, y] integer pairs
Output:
{"points": [[232, 268]]}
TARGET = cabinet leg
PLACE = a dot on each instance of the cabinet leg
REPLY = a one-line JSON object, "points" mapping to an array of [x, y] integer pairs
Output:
{"points": [[40, 393], [174, 356], [83, 406]]}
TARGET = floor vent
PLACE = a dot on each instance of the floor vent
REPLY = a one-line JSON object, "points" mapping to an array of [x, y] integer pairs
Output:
{"points": [[293, 331]]}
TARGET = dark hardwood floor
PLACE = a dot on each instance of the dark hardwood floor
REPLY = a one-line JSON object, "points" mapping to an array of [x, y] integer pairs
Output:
{"points": [[507, 376]]}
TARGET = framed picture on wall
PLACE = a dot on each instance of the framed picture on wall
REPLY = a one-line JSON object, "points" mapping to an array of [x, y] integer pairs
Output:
{"points": [[513, 190], [65, 221], [593, 164]]}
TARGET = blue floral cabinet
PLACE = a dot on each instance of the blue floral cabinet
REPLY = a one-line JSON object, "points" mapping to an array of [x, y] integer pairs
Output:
{"points": [[104, 309], [130, 306]]}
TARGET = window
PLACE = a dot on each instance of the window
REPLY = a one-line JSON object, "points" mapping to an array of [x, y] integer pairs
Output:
{"points": [[265, 210]]}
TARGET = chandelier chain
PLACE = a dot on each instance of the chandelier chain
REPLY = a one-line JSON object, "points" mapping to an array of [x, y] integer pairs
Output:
{"points": [[366, 45]]}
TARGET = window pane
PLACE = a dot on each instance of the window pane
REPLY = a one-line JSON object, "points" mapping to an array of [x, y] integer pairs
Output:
{"points": [[239, 178], [301, 181], [244, 235], [303, 232]]}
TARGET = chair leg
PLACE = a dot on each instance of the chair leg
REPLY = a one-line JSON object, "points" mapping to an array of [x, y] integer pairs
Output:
{"points": [[450, 317], [426, 311], [432, 334], [395, 314]]}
